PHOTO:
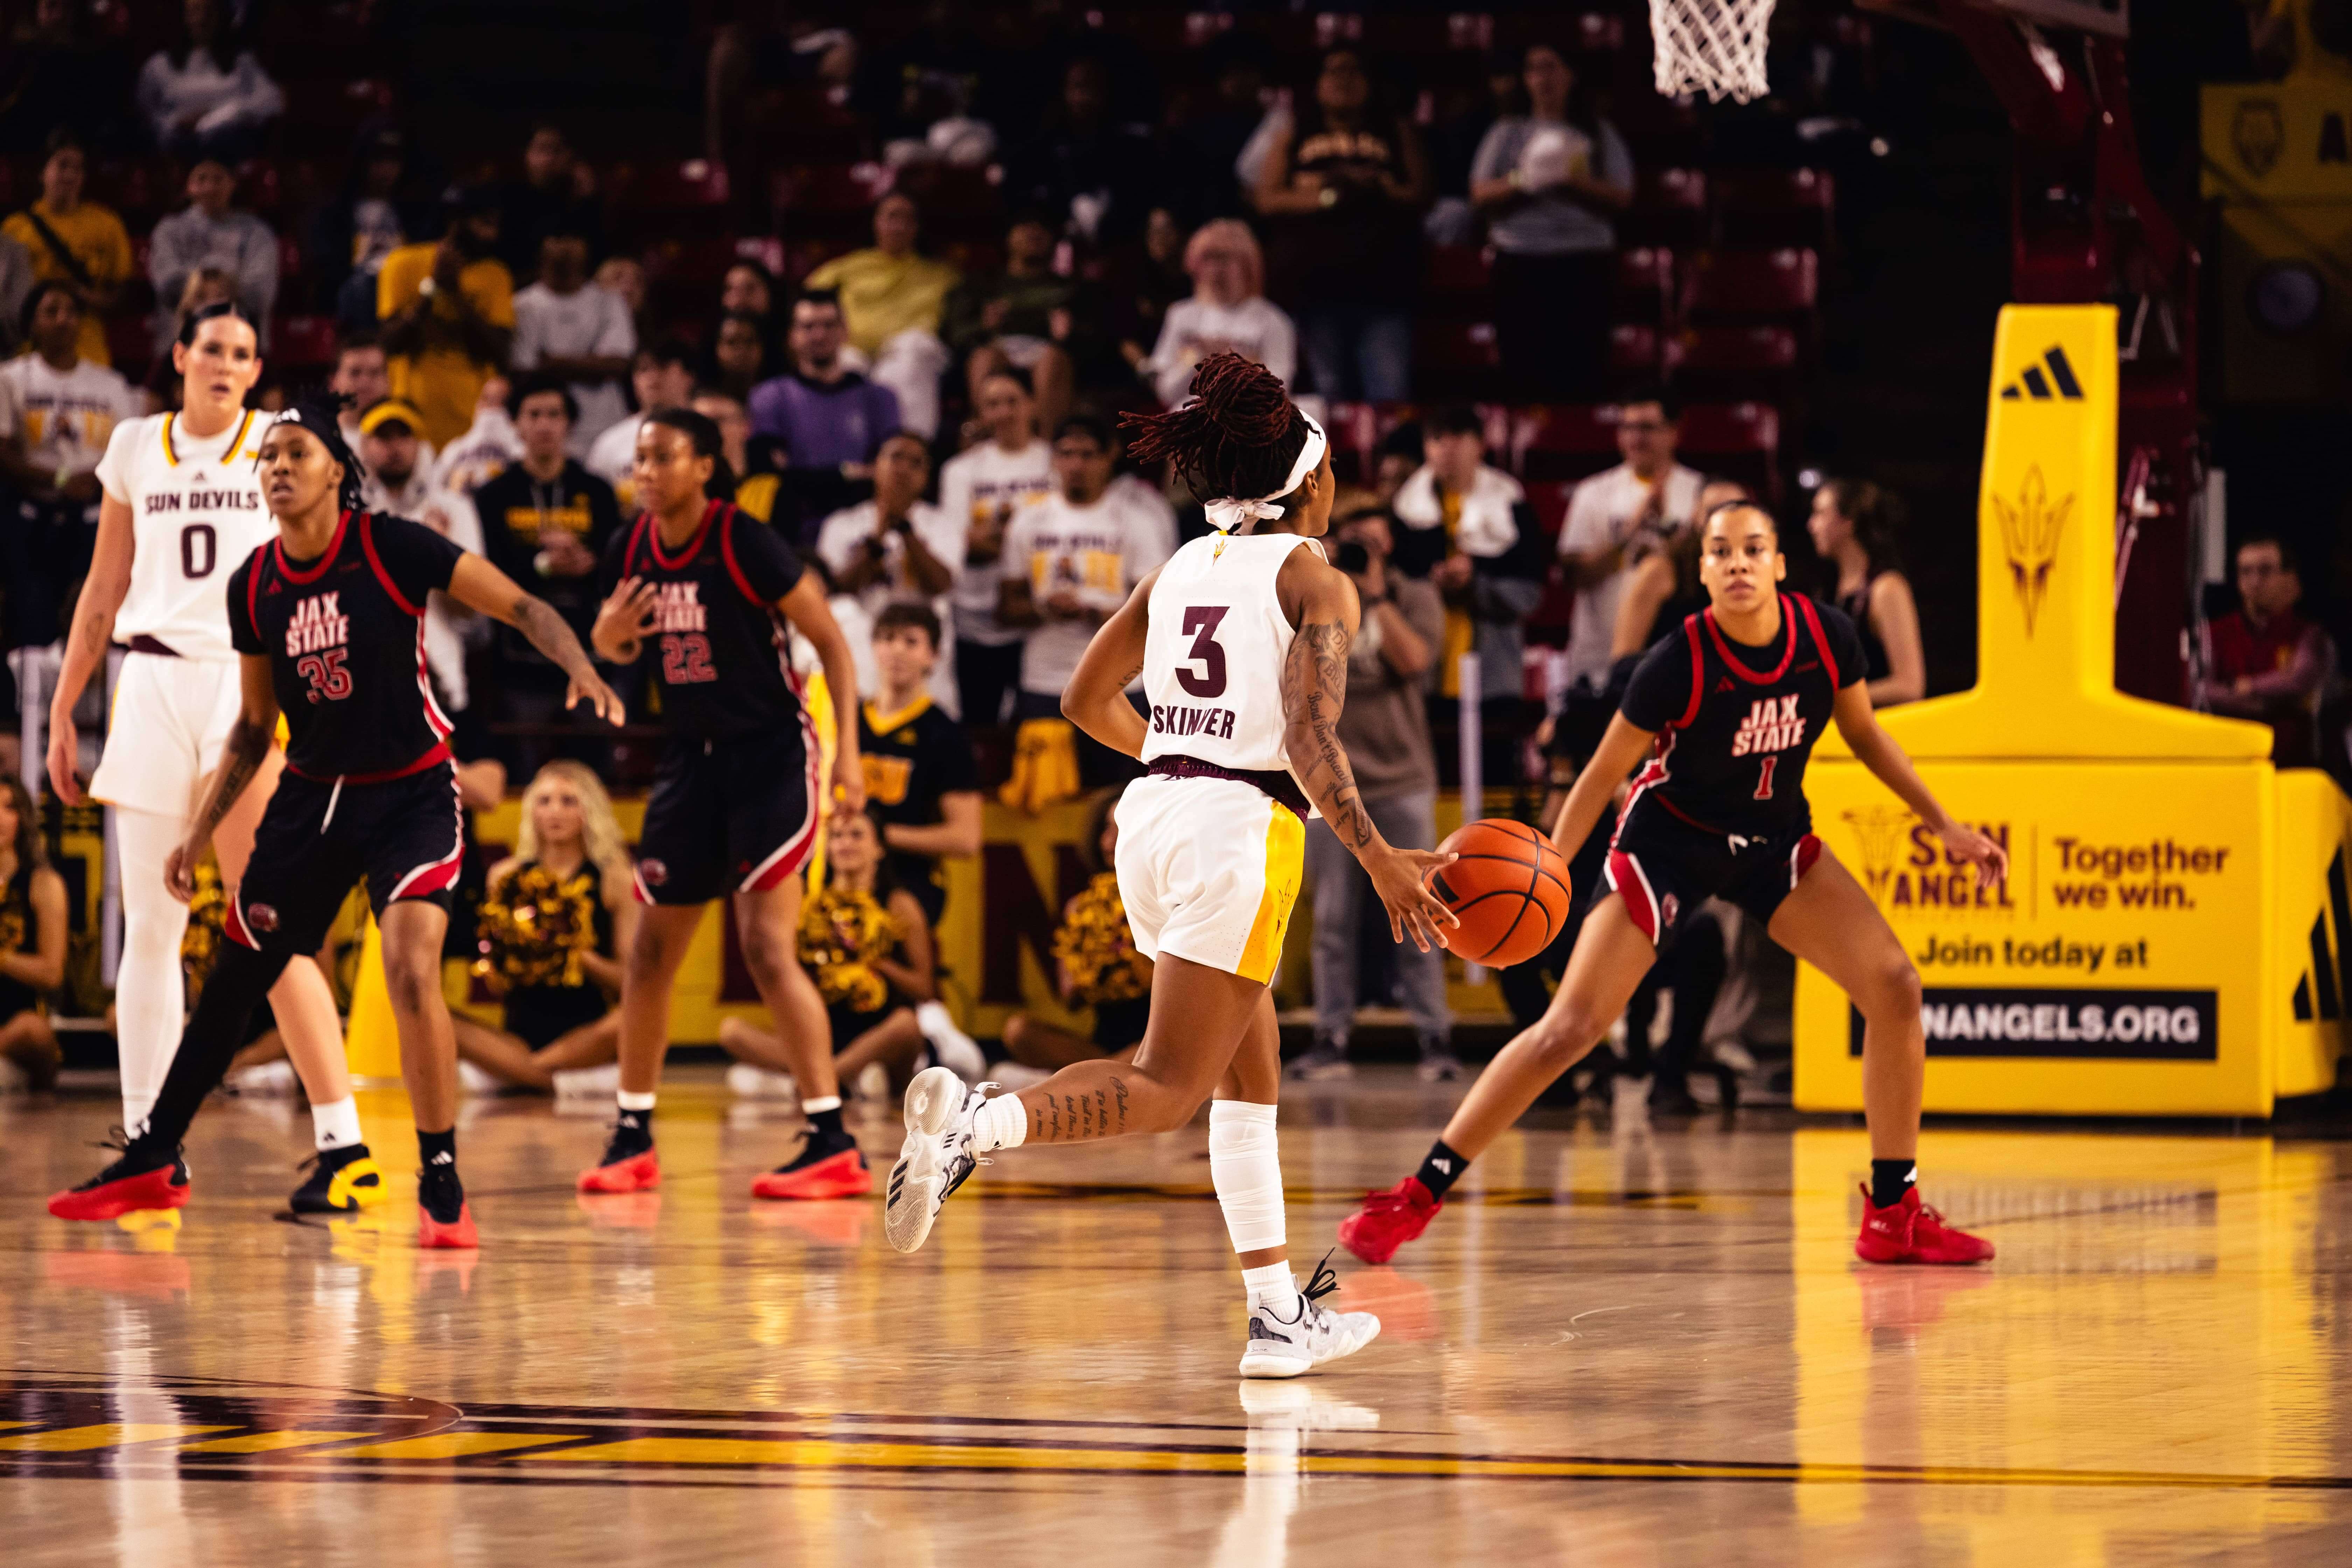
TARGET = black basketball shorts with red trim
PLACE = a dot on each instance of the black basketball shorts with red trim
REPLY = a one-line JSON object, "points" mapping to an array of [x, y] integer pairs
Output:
{"points": [[727, 815], [1664, 868], [405, 834]]}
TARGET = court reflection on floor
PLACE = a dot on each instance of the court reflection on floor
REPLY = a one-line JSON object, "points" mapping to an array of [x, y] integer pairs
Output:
{"points": [[1625, 1343]]}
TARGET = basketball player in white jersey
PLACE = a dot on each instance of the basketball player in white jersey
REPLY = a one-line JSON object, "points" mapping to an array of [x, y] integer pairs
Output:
{"points": [[180, 510], [1242, 640]]}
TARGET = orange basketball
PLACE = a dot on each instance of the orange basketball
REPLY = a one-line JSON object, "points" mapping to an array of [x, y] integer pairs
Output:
{"points": [[1509, 889]]}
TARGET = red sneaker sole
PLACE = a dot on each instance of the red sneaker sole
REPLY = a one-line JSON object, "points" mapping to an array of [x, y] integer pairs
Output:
{"points": [[637, 1173], [841, 1176], [132, 1195], [458, 1236], [1368, 1251]]}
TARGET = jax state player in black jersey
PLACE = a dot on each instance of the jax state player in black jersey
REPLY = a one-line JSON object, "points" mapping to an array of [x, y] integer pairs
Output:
{"points": [[1729, 711], [326, 619], [736, 799]]}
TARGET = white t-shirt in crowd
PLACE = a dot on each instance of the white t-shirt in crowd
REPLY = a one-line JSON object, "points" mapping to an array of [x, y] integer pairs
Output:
{"points": [[613, 458], [1097, 553], [448, 623], [1600, 513], [988, 481], [838, 544], [481, 454], [195, 515], [587, 324], [1195, 328], [62, 418]]}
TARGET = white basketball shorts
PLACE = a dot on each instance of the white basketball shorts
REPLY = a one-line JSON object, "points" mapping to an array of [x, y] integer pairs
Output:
{"points": [[171, 719], [1209, 868]]}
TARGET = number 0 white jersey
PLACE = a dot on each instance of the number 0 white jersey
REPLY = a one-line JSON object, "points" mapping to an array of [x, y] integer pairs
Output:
{"points": [[195, 515], [1213, 654]]}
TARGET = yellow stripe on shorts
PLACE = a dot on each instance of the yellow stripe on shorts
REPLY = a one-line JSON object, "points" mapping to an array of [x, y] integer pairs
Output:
{"points": [[1285, 860]]}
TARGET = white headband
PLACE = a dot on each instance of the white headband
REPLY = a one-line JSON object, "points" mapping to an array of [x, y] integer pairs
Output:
{"points": [[1226, 516]]}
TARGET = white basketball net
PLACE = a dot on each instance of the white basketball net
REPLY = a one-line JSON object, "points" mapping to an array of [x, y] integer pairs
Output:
{"points": [[1713, 46]]}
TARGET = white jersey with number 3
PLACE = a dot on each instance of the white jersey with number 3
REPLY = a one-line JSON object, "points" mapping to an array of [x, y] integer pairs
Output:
{"points": [[1213, 651], [195, 515]]}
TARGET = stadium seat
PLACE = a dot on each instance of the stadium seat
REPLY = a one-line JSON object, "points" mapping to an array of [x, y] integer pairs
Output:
{"points": [[1752, 284], [1669, 208], [695, 185], [1775, 207], [1425, 34], [1549, 498], [1752, 363], [1460, 354], [302, 343], [289, 258], [1738, 440], [1563, 441], [1633, 351], [829, 190], [1457, 271], [1645, 283], [131, 344]]}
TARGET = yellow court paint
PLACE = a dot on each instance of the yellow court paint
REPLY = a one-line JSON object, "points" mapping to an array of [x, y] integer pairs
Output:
{"points": [[267, 1442], [2171, 938], [108, 1435], [451, 1444]]}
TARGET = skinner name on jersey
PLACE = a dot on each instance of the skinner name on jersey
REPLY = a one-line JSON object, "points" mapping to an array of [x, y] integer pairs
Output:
{"points": [[677, 607], [1771, 725], [319, 623], [1169, 719]]}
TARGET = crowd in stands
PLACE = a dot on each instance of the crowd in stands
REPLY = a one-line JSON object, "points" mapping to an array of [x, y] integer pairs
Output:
{"points": [[914, 283]]}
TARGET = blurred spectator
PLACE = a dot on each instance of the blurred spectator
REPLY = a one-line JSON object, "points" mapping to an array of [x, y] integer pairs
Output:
{"points": [[740, 357], [207, 233], [1095, 175], [891, 301], [1469, 530], [895, 546], [1204, 149], [1228, 313], [545, 522], [56, 71], [58, 411], [1346, 187], [1096, 966], [980, 489], [557, 194], [2264, 660], [920, 779], [624, 276], [208, 98], [1454, 143], [749, 289], [1069, 562], [74, 241], [1663, 589], [1396, 460], [360, 380], [1385, 728], [488, 446], [1548, 183], [33, 910], [16, 284], [448, 310], [570, 329], [399, 481], [757, 482], [1854, 525], [829, 419], [374, 213], [661, 376], [768, 47], [1618, 516], [1143, 292], [205, 285], [1025, 315]]}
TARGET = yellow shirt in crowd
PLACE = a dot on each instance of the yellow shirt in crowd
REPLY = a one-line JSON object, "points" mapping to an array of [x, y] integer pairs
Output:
{"points": [[97, 239], [442, 383], [883, 295]]}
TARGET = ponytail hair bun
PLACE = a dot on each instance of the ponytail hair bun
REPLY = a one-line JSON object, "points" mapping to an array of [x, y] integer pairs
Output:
{"points": [[1236, 436]]}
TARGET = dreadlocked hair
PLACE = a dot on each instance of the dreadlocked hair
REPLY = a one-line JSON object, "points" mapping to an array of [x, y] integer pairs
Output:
{"points": [[1236, 440], [320, 413]]}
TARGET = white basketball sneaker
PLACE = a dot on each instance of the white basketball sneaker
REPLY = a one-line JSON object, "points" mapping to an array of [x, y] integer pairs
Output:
{"points": [[1285, 1349], [937, 1157]]}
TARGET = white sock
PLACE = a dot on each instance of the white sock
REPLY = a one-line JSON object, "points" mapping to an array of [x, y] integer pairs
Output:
{"points": [[336, 1125], [822, 1102], [636, 1101], [1000, 1123], [1245, 1167], [1270, 1286]]}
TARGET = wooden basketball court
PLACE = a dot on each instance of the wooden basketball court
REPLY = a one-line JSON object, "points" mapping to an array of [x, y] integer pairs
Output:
{"points": [[1626, 1345]]}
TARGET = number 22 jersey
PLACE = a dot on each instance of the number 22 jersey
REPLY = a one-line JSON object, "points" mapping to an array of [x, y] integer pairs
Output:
{"points": [[718, 641], [344, 635]]}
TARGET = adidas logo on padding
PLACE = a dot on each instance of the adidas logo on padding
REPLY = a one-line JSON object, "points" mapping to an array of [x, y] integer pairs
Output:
{"points": [[2059, 384]]}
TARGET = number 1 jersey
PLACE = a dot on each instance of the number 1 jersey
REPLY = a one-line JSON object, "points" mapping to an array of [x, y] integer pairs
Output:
{"points": [[196, 513], [718, 642], [345, 639]]}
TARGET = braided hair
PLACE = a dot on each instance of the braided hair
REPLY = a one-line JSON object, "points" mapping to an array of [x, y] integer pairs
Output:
{"points": [[1236, 438], [319, 415]]}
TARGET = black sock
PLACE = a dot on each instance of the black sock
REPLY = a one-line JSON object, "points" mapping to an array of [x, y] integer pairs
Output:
{"points": [[1442, 1169], [633, 1134], [437, 1187], [240, 979], [825, 1127], [1890, 1179]]}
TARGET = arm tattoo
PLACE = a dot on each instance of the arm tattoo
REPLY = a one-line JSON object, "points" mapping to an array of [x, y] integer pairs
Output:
{"points": [[1313, 689], [248, 743], [550, 633]]}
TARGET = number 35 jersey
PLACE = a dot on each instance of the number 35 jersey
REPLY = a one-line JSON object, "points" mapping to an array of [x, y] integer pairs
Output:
{"points": [[344, 635], [196, 513], [1213, 651], [1736, 724], [718, 643]]}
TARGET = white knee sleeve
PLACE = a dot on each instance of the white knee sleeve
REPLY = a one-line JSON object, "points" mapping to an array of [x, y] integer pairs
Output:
{"points": [[150, 997], [1245, 1167]]}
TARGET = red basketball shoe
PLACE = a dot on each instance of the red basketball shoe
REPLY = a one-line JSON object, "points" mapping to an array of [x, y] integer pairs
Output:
{"points": [[458, 1233], [1911, 1232], [119, 1190], [631, 1163], [1388, 1220], [818, 1174]]}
